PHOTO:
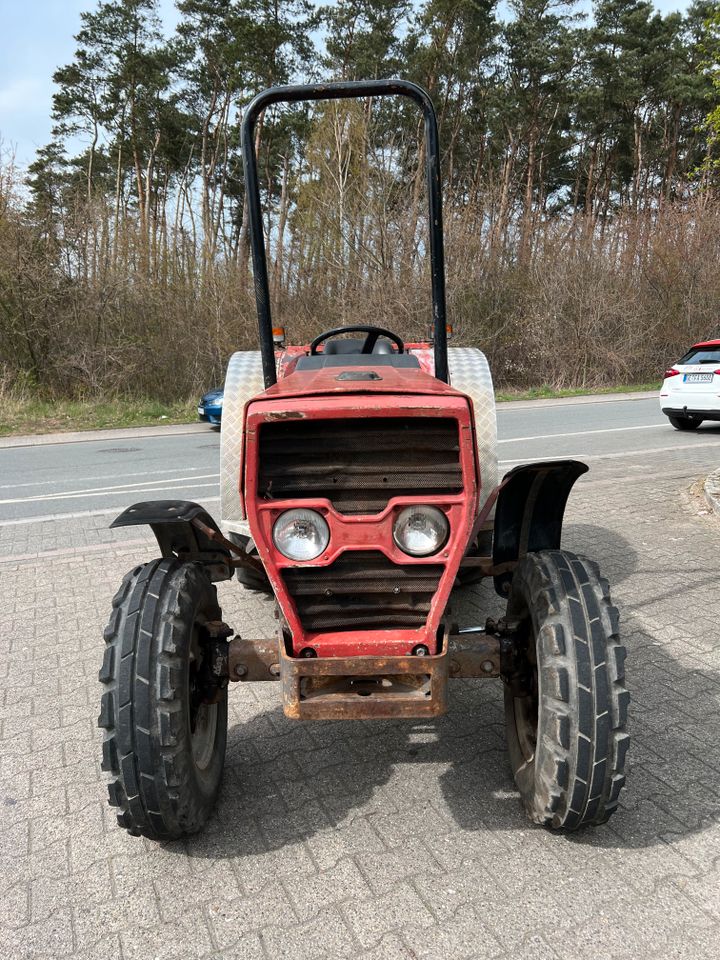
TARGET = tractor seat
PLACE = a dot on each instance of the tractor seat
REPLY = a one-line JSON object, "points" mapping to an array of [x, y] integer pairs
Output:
{"points": [[335, 347]]}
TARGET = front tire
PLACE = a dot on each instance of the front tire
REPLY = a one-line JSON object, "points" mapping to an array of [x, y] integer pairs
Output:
{"points": [[566, 704], [164, 744], [685, 423], [252, 580]]}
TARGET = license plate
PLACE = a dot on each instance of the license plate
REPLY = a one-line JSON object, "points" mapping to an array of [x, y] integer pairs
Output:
{"points": [[201, 411], [698, 378]]}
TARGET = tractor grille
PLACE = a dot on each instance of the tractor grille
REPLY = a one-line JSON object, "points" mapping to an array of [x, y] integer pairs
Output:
{"points": [[359, 464], [363, 590]]}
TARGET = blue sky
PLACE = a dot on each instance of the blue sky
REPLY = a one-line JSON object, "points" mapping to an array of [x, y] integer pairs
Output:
{"points": [[38, 39]]}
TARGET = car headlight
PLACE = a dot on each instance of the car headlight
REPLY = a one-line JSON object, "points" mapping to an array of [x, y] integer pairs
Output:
{"points": [[301, 534], [217, 402], [420, 530]]}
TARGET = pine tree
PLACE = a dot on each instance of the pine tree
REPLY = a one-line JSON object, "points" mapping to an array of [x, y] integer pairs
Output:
{"points": [[709, 43], [362, 38], [538, 68]]}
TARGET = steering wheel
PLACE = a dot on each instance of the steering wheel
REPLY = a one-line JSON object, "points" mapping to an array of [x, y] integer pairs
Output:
{"points": [[373, 335]]}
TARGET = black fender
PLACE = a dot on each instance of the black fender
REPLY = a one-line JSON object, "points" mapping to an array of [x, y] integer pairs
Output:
{"points": [[178, 528], [529, 512]]}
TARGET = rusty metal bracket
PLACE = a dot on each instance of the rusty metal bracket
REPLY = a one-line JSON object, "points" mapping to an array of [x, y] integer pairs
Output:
{"points": [[364, 688], [254, 659], [487, 567], [245, 560], [356, 688], [474, 653]]}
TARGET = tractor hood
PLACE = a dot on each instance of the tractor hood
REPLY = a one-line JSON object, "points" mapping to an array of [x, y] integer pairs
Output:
{"points": [[356, 379]]}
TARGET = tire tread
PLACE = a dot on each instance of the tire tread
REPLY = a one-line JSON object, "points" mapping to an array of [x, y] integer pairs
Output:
{"points": [[582, 744], [139, 708]]}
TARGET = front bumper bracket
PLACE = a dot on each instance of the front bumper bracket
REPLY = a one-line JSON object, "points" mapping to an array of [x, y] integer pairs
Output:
{"points": [[369, 688]]}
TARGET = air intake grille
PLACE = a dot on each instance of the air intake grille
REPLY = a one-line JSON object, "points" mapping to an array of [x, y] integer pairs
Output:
{"points": [[359, 464], [363, 590]]}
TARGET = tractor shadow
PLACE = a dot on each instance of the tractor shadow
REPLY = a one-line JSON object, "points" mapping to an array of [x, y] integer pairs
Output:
{"points": [[288, 782]]}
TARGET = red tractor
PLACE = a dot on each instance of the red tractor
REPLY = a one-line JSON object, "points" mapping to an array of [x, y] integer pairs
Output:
{"points": [[358, 485]]}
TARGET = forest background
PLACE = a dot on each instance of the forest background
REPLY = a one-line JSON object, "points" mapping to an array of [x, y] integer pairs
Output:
{"points": [[580, 164]]}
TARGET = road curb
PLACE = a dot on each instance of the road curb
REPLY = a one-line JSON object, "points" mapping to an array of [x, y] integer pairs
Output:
{"points": [[121, 433], [711, 489], [587, 398]]}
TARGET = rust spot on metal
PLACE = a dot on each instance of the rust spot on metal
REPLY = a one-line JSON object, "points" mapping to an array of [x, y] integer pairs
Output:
{"points": [[284, 415], [363, 688], [244, 559], [253, 659], [474, 655]]}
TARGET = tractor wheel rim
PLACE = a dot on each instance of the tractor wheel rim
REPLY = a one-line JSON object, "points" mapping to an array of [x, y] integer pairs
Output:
{"points": [[527, 705], [203, 716], [526, 723], [203, 736]]}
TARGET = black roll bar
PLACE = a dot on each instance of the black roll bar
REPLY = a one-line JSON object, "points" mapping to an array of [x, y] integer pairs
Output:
{"points": [[337, 91]]}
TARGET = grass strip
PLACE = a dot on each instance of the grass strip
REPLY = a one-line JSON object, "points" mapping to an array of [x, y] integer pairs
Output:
{"points": [[21, 417]]}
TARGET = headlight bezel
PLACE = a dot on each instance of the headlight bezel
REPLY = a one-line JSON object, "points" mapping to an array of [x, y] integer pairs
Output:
{"points": [[308, 515], [437, 514]]}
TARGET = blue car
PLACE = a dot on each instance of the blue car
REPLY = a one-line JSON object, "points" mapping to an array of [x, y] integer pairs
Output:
{"points": [[210, 406]]}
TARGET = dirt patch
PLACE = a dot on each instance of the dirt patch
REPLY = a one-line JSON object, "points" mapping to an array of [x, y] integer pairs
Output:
{"points": [[695, 500]]}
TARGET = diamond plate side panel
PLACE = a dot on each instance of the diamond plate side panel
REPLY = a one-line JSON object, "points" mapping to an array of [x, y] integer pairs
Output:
{"points": [[470, 373], [243, 381]]}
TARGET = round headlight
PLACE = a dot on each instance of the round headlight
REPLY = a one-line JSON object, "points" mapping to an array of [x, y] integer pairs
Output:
{"points": [[420, 530], [301, 534]]}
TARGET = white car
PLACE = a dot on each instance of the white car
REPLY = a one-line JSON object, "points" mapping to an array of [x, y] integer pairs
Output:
{"points": [[691, 389]]}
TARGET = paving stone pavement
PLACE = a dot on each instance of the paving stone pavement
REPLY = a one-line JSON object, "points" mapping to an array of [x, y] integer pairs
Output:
{"points": [[376, 840]]}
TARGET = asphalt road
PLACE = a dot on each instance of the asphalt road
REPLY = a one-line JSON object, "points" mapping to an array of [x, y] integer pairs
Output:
{"points": [[381, 840], [91, 478]]}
